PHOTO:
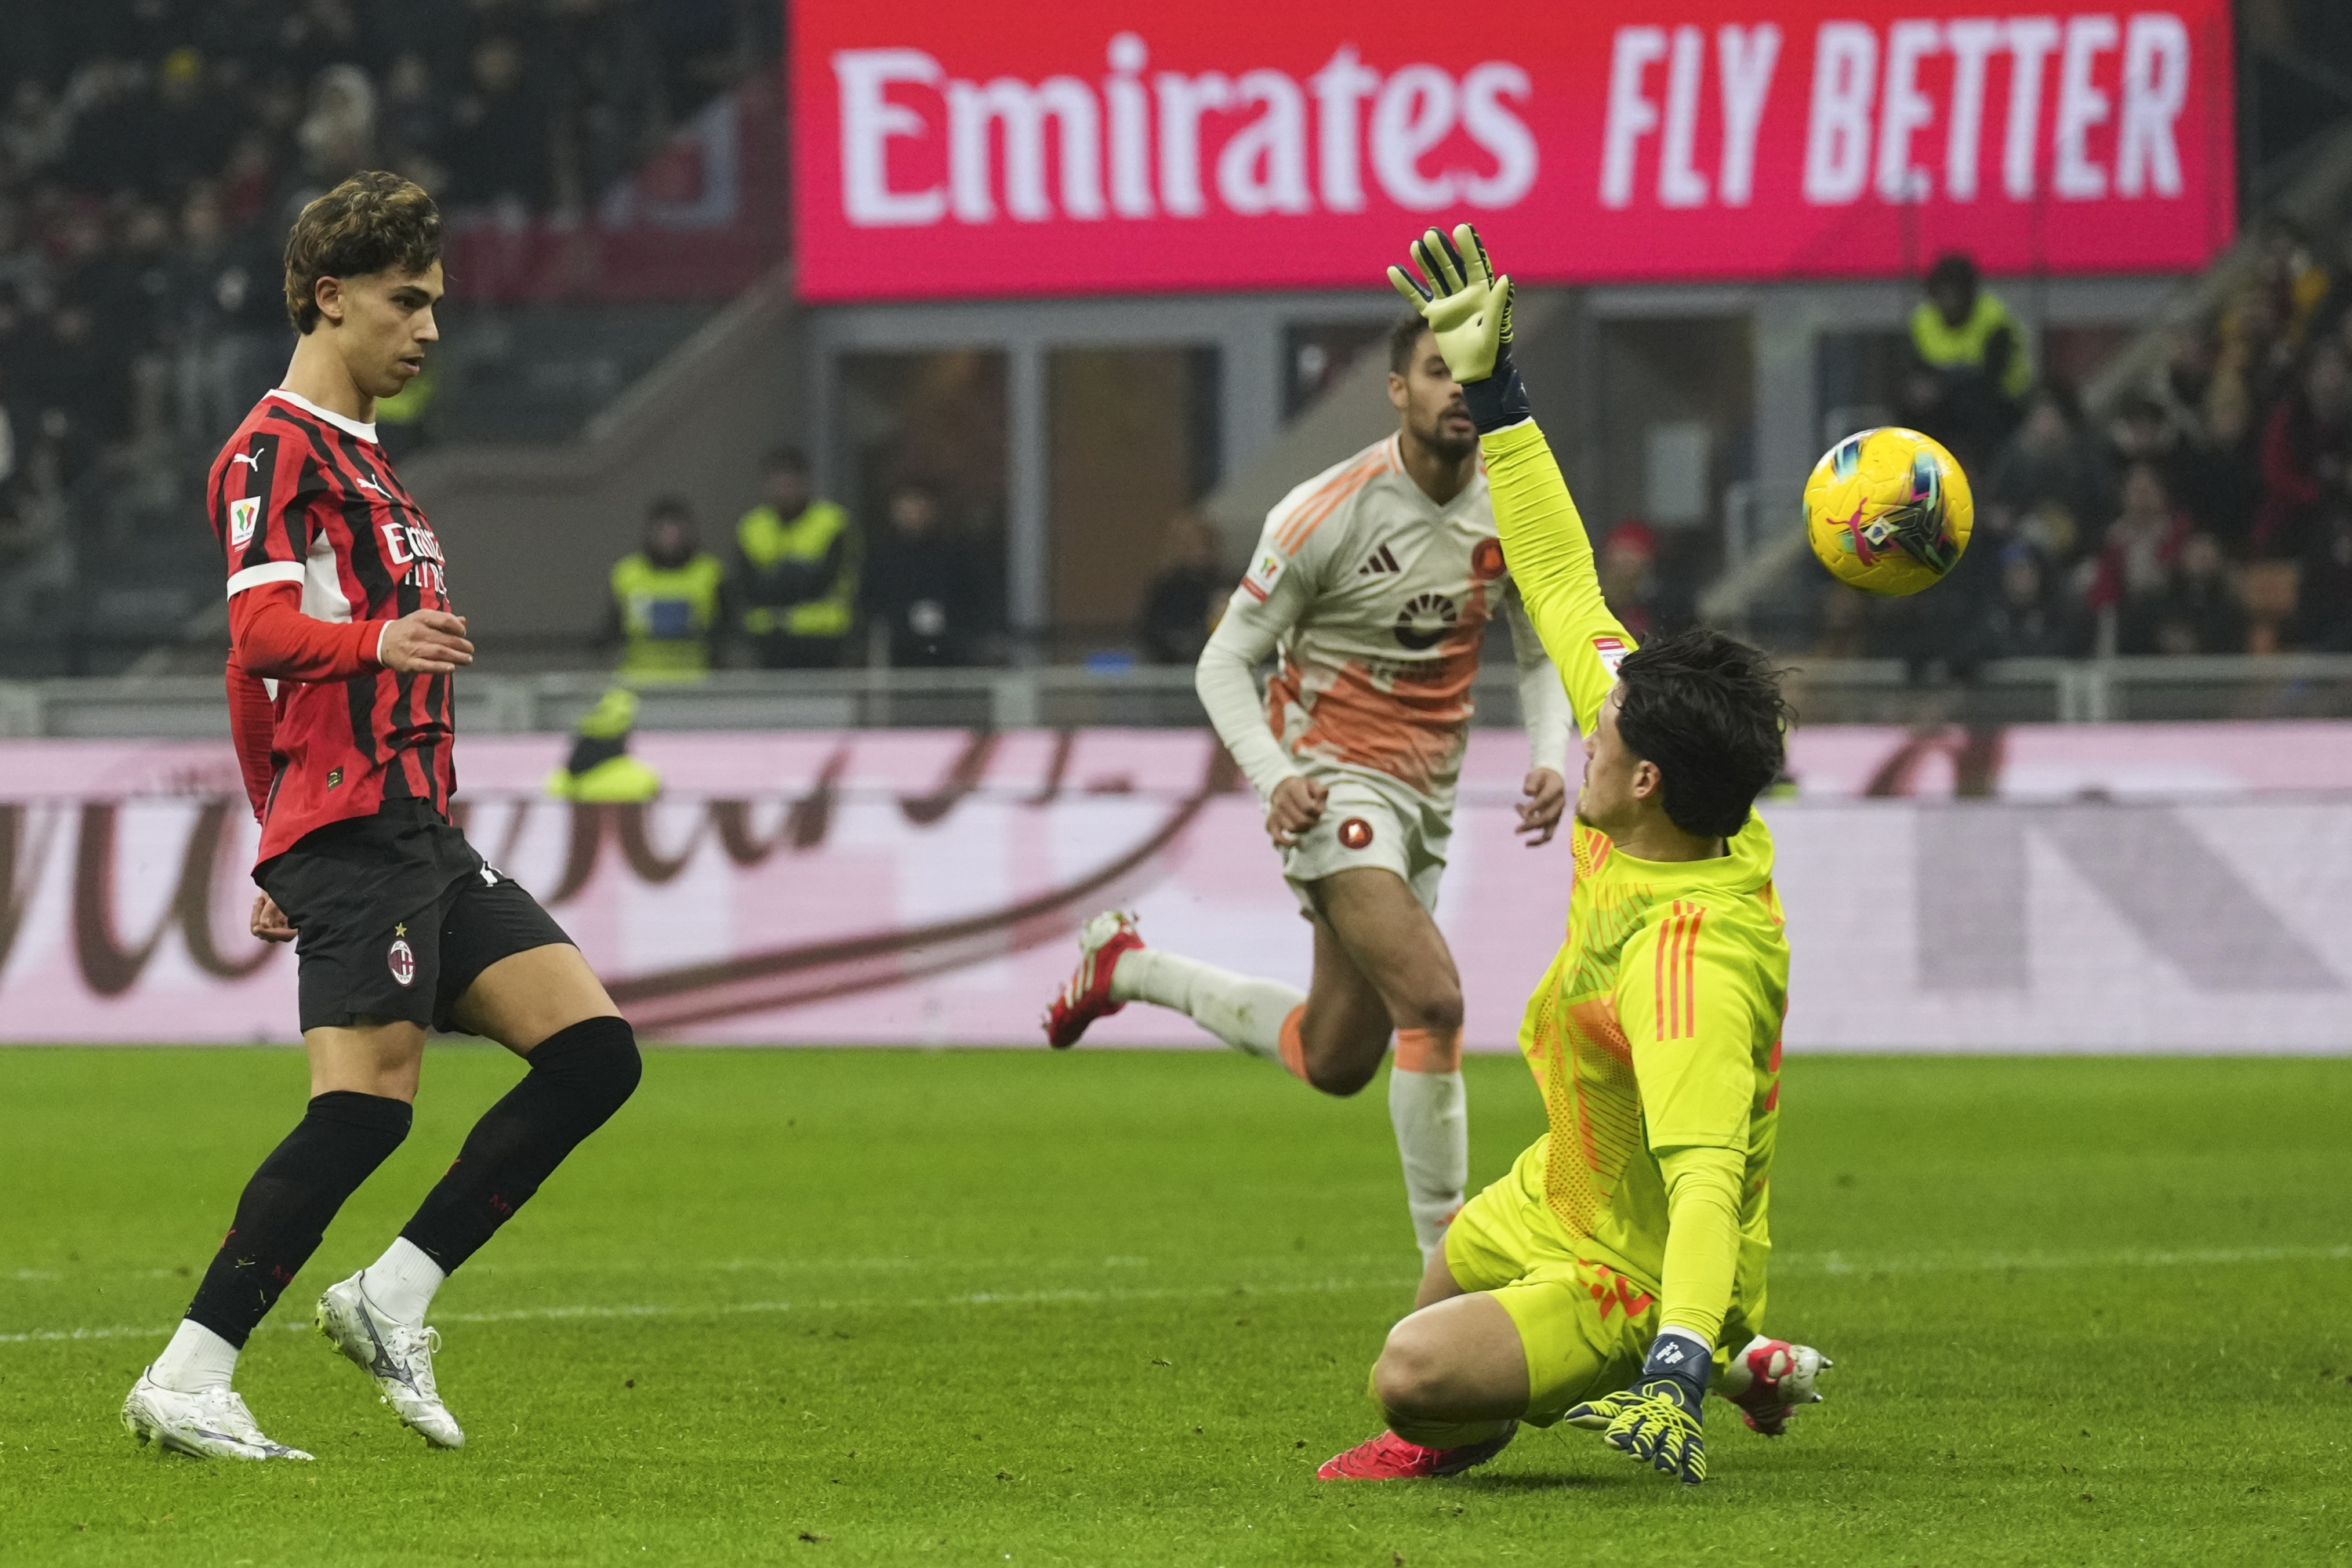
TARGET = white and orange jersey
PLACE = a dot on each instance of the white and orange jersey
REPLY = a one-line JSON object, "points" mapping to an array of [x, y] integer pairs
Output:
{"points": [[1376, 599]]}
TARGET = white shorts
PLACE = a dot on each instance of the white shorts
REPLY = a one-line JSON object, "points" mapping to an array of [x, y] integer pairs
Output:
{"points": [[1368, 822]]}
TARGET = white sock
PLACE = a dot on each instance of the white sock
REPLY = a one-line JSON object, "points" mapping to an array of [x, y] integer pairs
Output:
{"points": [[1246, 1014], [401, 1283], [1431, 1120], [195, 1360]]}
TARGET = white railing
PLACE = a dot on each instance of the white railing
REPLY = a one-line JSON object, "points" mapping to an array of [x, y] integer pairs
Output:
{"points": [[1825, 691]]}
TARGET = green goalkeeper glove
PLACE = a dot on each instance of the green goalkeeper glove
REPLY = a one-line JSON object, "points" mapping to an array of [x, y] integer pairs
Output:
{"points": [[1659, 1420], [1468, 311]]}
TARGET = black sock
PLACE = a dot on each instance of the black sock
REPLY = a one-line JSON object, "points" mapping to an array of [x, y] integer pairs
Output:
{"points": [[578, 1078], [338, 1144]]}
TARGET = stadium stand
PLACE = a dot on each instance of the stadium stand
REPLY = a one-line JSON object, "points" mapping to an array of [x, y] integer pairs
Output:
{"points": [[152, 153], [151, 157]]}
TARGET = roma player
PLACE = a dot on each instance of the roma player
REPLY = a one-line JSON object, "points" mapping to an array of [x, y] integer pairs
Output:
{"points": [[1374, 582], [1608, 1277], [343, 648]]}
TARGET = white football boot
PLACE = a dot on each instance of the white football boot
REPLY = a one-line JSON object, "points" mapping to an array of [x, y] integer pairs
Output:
{"points": [[398, 1355], [211, 1424], [1770, 1380]]}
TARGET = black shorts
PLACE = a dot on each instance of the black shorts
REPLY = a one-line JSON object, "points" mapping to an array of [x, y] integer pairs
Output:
{"points": [[397, 916]]}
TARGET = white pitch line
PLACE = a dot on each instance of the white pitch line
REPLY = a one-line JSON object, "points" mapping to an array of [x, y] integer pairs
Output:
{"points": [[1827, 1263], [1836, 1263], [735, 1308]]}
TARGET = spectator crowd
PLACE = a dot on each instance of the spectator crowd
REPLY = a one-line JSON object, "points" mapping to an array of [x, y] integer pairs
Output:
{"points": [[2207, 512], [152, 155]]}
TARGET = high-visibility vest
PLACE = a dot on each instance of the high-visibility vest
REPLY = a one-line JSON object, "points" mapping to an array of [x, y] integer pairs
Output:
{"points": [[768, 539], [667, 617], [1947, 347]]}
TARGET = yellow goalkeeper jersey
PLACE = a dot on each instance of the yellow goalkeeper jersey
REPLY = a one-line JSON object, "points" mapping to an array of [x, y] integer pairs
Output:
{"points": [[1657, 1028]]}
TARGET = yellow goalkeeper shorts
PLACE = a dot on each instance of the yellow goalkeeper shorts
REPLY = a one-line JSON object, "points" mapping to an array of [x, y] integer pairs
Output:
{"points": [[1584, 1326]]}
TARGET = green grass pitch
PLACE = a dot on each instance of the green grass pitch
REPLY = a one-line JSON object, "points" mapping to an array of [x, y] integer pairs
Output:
{"points": [[885, 1307]]}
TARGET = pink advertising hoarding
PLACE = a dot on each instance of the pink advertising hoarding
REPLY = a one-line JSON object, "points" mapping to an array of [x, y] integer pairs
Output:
{"points": [[2112, 888], [996, 150]]}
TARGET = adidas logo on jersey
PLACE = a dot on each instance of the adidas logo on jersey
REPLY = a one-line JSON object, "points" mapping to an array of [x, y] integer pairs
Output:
{"points": [[1382, 563]]}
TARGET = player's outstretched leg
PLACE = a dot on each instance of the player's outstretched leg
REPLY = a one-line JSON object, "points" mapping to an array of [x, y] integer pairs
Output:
{"points": [[547, 1006], [184, 1401], [1115, 968], [1771, 1380]]}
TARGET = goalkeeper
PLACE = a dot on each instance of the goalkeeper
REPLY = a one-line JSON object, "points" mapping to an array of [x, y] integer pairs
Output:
{"points": [[1607, 1276]]}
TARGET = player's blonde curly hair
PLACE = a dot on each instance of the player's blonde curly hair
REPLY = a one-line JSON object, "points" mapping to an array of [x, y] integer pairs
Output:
{"points": [[372, 221]]}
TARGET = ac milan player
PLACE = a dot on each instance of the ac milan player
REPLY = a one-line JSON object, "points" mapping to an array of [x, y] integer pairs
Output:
{"points": [[344, 648]]}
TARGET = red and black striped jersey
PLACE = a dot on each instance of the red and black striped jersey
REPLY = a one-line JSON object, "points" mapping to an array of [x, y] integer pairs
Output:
{"points": [[304, 496]]}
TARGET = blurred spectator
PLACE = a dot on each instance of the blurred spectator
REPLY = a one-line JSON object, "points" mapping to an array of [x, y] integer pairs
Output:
{"points": [[2200, 611], [409, 122], [2046, 484], [796, 562], [498, 146], [151, 154], [600, 770], [1184, 600], [226, 319], [77, 392], [2143, 430], [1628, 579], [2307, 453], [670, 600], [191, 127], [2024, 618], [2325, 623], [1973, 366], [337, 135], [2132, 574], [921, 590]]}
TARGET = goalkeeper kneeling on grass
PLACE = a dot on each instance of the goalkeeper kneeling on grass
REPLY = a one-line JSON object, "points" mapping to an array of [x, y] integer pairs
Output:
{"points": [[1619, 1268]]}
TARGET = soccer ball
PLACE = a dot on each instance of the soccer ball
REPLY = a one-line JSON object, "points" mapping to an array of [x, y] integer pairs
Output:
{"points": [[1888, 511]]}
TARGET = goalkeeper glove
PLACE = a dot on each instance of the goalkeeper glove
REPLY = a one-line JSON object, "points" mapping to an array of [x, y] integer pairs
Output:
{"points": [[1659, 1420], [1468, 311]]}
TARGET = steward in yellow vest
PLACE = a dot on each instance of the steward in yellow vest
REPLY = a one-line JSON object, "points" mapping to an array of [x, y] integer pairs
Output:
{"points": [[668, 601], [1976, 359], [1964, 326], [600, 770], [797, 565]]}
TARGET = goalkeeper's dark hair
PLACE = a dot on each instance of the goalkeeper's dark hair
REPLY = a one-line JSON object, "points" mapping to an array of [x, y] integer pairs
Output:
{"points": [[1403, 338], [370, 223], [1707, 710]]}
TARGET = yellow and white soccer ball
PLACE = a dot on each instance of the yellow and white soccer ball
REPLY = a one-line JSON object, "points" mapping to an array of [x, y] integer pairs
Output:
{"points": [[1888, 511]]}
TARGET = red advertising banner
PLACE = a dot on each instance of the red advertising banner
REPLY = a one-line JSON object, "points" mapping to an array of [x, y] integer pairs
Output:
{"points": [[999, 150]]}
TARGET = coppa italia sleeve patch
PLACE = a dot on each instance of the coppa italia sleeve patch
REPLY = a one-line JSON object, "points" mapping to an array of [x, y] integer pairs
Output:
{"points": [[242, 516], [1263, 576], [1612, 652]]}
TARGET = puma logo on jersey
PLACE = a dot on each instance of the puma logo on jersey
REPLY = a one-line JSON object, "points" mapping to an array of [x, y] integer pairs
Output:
{"points": [[1383, 562], [250, 460], [367, 484]]}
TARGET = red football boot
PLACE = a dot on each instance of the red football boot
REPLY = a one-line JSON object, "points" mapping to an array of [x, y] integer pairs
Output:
{"points": [[1778, 1378], [1388, 1457], [1102, 942]]}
